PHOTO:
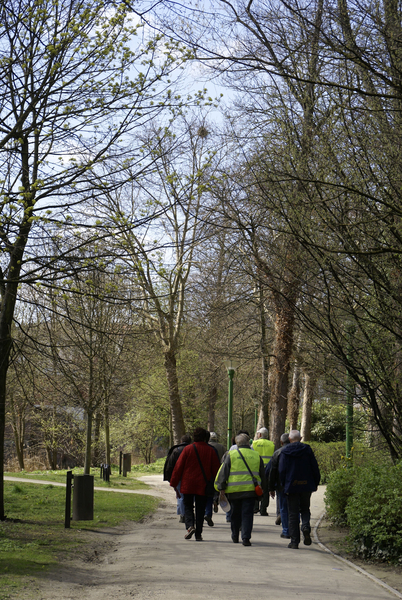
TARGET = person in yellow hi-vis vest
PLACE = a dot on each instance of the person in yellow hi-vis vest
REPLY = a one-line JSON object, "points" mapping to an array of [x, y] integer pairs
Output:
{"points": [[265, 449], [240, 476]]}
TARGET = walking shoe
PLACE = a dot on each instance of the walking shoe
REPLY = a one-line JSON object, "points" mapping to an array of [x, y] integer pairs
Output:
{"points": [[215, 507], [209, 520], [264, 514], [181, 519], [287, 537], [246, 543], [190, 533], [278, 520], [198, 538], [307, 537], [235, 539], [294, 546]]}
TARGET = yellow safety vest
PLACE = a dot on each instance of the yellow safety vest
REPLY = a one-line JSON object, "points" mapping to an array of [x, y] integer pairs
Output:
{"points": [[239, 478], [265, 449]]}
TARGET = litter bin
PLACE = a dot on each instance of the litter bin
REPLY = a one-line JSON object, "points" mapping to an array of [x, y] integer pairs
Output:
{"points": [[83, 498]]}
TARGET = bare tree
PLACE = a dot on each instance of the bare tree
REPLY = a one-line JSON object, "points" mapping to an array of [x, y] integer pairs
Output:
{"points": [[72, 90], [160, 257]]}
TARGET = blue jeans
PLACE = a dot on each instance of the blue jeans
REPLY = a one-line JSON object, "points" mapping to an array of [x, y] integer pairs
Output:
{"points": [[180, 503], [298, 507], [242, 516], [283, 509], [208, 508]]}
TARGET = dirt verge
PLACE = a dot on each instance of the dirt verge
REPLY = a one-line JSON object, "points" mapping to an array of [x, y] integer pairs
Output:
{"points": [[335, 539]]}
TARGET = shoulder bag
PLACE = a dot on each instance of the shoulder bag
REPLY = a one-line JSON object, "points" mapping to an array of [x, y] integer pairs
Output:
{"points": [[257, 487]]}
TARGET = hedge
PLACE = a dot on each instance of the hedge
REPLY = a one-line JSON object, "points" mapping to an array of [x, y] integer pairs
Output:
{"points": [[368, 499]]}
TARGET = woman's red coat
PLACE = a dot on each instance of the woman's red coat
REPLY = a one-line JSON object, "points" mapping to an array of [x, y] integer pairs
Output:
{"points": [[188, 470]]}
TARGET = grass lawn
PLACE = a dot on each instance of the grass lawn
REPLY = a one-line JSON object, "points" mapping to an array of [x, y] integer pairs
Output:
{"points": [[116, 480], [33, 537]]}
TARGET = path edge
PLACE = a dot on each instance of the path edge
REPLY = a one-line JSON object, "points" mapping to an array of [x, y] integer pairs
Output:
{"points": [[350, 563]]}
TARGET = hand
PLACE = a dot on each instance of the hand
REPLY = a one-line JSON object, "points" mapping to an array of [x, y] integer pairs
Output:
{"points": [[178, 495], [272, 494]]}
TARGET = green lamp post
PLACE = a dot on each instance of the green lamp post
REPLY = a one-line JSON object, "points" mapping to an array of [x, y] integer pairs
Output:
{"points": [[231, 366]]}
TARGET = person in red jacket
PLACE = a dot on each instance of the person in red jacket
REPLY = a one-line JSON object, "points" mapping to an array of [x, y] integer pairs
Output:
{"points": [[193, 480]]}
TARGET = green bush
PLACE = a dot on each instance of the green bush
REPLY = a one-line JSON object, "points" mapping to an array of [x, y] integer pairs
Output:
{"points": [[374, 511], [328, 422], [330, 457], [338, 493], [367, 498]]}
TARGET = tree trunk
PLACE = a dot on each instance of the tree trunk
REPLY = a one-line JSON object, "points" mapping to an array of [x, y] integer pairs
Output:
{"points": [[309, 387], [96, 459], [284, 321], [264, 401], [174, 397], [51, 457], [107, 431], [294, 398], [3, 377], [18, 425], [19, 448], [212, 398], [5, 348], [263, 420], [88, 443]]}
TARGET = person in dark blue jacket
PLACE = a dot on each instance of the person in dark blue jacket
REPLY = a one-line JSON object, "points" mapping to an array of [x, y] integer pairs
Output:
{"points": [[299, 475]]}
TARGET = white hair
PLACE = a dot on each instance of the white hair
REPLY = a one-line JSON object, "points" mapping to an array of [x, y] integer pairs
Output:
{"points": [[242, 439], [294, 435]]}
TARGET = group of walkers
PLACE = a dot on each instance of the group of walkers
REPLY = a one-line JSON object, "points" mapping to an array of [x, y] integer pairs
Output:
{"points": [[204, 475]]}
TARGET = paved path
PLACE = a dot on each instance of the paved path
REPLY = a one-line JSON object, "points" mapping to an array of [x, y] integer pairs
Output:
{"points": [[155, 562]]}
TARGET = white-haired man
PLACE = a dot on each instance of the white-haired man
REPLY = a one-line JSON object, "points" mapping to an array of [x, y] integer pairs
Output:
{"points": [[299, 475], [265, 449]]}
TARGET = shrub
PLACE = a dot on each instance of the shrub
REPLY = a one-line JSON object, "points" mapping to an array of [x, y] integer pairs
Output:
{"points": [[374, 511], [339, 490], [330, 457], [328, 423]]}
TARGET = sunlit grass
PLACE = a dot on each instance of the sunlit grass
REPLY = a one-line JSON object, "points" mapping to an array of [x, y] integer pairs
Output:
{"points": [[116, 481], [33, 537]]}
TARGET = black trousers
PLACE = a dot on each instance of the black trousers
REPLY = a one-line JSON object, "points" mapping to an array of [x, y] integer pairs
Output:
{"points": [[242, 517], [200, 503], [298, 508]]}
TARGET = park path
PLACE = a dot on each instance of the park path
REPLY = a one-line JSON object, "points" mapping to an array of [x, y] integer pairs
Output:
{"points": [[153, 561]]}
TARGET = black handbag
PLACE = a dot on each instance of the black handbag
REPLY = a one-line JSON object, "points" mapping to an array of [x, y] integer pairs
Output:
{"points": [[209, 483]]}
